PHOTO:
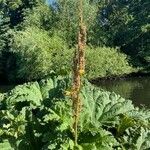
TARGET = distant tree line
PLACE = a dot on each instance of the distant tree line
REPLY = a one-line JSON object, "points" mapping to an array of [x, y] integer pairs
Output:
{"points": [[36, 36]]}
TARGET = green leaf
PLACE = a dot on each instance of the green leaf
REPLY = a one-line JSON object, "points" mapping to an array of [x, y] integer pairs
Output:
{"points": [[28, 92], [5, 145]]}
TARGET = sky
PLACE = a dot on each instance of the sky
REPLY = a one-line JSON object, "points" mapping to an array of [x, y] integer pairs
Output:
{"points": [[50, 1]]}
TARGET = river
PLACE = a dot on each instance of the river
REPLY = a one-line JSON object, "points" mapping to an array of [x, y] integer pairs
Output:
{"points": [[137, 89], [5, 88]]}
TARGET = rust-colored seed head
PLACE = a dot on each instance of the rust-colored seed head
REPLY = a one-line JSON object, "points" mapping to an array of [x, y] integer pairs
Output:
{"points": [[78, 71]]}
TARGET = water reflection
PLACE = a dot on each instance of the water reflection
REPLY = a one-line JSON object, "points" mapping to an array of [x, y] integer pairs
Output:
{"points": [[136, 89], [5, 88]]}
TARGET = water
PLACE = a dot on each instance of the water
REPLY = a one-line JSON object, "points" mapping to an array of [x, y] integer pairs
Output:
{"points": [[136, 89], [5, 88]]}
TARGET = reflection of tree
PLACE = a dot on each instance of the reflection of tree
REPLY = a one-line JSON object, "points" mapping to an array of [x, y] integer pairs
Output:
{"points": [[141, 96], [122, 87], [136, 89], [4, 88], [126, 88]]}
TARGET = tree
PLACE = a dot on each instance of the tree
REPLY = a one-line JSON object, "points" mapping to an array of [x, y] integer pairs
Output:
{"points": [[39, 16], [124, 24], [35, 52], [4, 36], [11, 18], [66, 12]]}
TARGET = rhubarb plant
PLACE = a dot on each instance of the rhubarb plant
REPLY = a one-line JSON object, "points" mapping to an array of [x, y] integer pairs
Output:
{"points": [[30, 119]]}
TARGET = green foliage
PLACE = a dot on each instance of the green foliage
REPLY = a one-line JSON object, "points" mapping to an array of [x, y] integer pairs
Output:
{"points": [[29, 92], [106, 61], [40, 16], [23, 120], [62, 61], [138, 139], [1, 96], [4, 39], [108, 24], [5, 145], [118, 21], [103, 106], [11, 18], [54, 86], [67, 16], [107, 120], [97, 139], [34, 61], [35, 52]]}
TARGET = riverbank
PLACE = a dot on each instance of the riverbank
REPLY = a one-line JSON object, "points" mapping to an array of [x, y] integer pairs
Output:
{"points": [[139, 74], [135, 86], [120, 77]]}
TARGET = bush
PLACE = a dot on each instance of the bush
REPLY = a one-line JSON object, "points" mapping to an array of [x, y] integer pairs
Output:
{"points": [[62, 61], [106, 61], [35, 52], [1, 66]]}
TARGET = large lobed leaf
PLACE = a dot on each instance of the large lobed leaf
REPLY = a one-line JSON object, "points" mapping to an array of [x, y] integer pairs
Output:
{"points": [[102, 107], [29, 92]]}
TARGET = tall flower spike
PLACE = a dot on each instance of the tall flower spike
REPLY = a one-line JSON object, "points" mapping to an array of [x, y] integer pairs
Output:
{"points": [[78, 71]]}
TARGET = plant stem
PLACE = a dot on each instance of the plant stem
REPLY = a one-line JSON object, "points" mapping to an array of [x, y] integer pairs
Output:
{"points": [[78, 70]]}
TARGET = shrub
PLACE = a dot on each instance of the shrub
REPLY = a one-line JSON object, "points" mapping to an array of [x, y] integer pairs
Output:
{"points": [[100, 62], [35, 52], [62, 61], [106, 61]]}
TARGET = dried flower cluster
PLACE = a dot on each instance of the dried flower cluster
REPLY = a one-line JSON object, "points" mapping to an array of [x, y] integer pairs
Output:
{"points": [[78, 71]]}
